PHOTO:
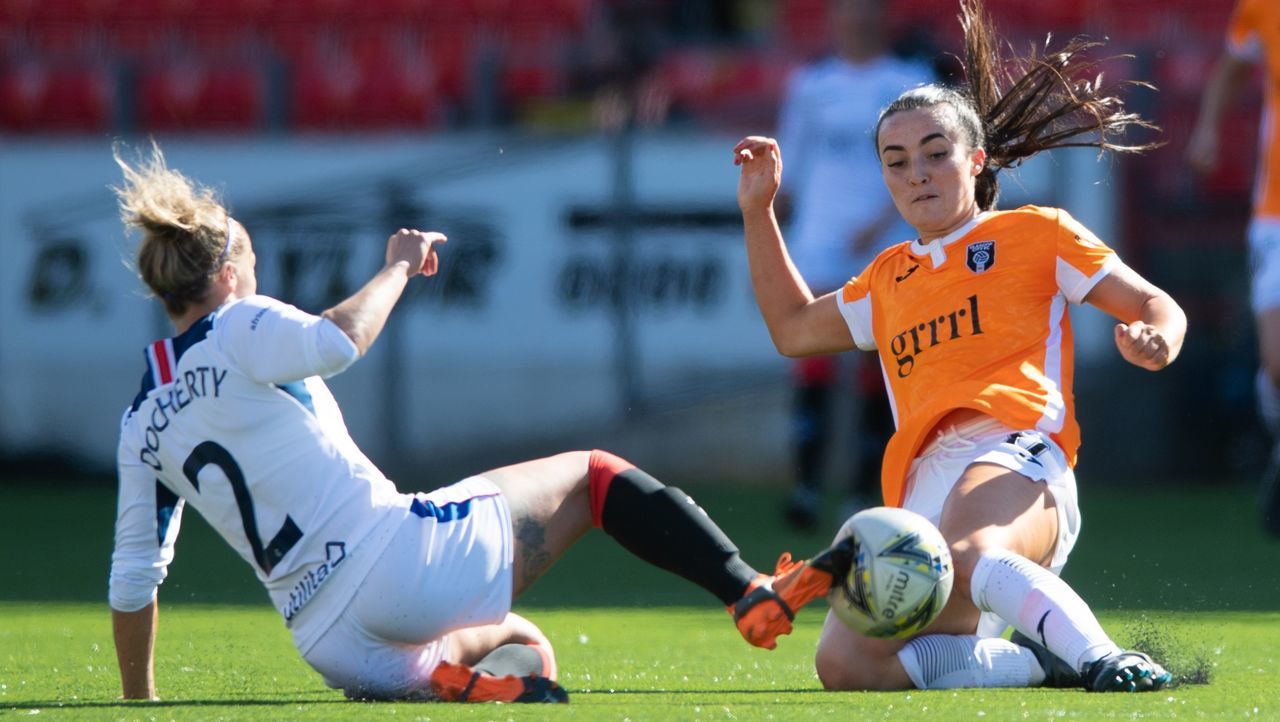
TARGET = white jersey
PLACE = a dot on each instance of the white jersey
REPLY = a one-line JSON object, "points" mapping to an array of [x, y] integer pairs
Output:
{"points": [[831, 168], [234, 419]]}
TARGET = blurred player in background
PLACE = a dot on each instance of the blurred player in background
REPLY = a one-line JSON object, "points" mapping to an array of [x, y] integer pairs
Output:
{"points": [[387, 595], [970, 322], [1254, 37], [842, 218]]}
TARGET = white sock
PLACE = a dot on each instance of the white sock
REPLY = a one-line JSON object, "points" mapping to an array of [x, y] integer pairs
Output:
{"points": [[1268, 402], [946, 661], [1040, 605]]}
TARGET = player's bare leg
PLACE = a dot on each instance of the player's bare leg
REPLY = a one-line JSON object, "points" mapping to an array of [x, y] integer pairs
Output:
{"points": [[507, 662], [554, 501], [470, 645], [550, 510], [1004, 528], [994, 517]]}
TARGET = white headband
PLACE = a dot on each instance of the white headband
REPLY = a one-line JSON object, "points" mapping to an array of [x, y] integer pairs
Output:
{"points": [[226, 248]]}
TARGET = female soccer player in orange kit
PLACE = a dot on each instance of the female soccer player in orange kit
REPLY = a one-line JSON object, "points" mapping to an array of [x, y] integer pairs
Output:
{"points": [[971, 327]]}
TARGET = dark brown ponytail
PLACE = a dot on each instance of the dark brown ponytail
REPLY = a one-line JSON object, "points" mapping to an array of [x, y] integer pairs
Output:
{"points": [[1016, 107]]}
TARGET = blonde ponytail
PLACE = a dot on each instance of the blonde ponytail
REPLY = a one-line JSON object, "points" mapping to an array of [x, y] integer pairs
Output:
{"points": [[186, 231]]}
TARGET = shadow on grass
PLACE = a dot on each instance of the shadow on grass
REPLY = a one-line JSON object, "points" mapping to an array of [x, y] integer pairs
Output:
{"points": [[339, 701]]}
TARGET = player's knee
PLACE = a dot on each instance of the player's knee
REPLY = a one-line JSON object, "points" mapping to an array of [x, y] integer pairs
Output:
{"points": [[567, 477], [833, 671], [839, 673]]}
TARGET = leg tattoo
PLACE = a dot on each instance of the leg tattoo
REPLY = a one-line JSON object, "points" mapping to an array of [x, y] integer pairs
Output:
{"points": [[534, 557]]}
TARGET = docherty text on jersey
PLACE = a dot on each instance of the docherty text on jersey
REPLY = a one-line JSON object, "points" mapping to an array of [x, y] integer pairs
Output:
{"points": [[198, 383]]}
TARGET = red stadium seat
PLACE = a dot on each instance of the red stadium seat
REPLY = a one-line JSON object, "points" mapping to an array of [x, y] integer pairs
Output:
{"points": [[491, 14], [22, 89], [1064, 17], [451, 54], [298, 30], [320, 94], [196, 97], [14, 13], [229, 28], [726, 88], [393, 97], [373, 95], [141, 28], [533, 60], [77, 99], [567, 15], [66, 29], [38, 99]]}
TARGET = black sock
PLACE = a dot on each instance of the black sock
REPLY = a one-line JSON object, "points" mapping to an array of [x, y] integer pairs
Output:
{"points": [[520, 660], [663, 526]]}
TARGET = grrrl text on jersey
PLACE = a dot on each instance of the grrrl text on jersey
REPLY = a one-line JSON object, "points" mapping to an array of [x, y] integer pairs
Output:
{"points": [[198, 383], [946, 327]]}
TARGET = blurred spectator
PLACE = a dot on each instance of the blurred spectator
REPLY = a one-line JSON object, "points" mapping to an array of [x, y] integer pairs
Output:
{"points": [[843, 217], [1254, 37]]}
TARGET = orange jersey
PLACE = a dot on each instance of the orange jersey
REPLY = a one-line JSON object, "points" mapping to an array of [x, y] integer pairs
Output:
{"points": [[1254, 34], [977, 320]]}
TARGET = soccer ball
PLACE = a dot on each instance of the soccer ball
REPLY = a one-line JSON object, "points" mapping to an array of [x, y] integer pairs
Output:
{"points": [[901, 573]]}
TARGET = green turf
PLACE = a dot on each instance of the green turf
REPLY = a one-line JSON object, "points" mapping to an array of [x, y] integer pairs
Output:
{"points": [[236, 662], [633, 643]]}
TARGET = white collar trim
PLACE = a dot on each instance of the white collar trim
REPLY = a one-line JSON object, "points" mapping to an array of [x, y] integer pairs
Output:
{"points": [[936, 248]]}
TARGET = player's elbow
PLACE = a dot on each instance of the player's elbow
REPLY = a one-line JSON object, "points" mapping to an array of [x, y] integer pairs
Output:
{"points": [[790, 350], [793, 344]]}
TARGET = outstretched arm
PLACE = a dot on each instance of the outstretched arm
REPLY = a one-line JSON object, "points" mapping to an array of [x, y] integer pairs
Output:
{"points": [[799, 324], [362, 316], [1224, 83], [147, 525], [135, 637], [1152, 325]]}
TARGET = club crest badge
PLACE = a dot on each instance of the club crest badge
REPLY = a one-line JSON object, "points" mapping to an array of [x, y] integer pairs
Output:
{"points": [[980, 256]]}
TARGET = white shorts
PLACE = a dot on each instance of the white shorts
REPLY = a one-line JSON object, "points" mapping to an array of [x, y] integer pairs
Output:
{"points": [[1264, 264], [448, 567], [985, 440], [1030, 453]]}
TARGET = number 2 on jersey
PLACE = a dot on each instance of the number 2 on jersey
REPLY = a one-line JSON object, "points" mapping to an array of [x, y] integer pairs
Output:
{"points": [[211, 452]]}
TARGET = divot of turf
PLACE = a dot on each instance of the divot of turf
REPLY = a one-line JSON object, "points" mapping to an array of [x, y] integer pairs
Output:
{"points": [[1188, 662]]}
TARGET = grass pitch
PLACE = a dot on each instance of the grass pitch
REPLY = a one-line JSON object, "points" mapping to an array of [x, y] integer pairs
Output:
{"points": [[1188, 574]]}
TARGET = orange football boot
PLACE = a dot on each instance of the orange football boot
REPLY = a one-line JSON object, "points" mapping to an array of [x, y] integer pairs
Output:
{"points": [[769, 605], [460, 683]]}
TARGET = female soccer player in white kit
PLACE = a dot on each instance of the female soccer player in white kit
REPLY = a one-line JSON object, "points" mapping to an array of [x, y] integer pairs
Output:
{"points": [[387, 595]]}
